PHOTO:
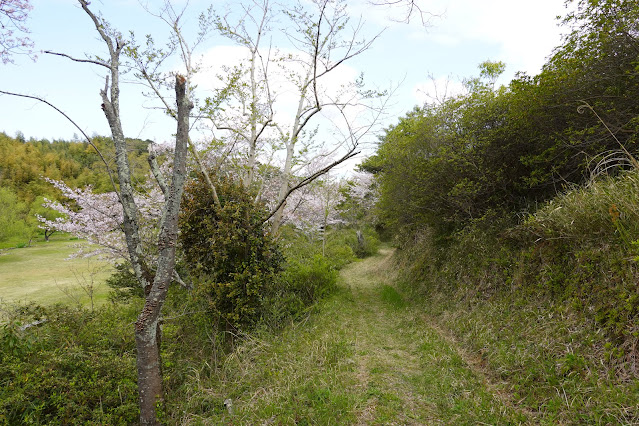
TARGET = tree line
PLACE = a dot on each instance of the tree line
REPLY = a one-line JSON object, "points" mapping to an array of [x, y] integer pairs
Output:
{"points": [[506, 150], [26, 167]]}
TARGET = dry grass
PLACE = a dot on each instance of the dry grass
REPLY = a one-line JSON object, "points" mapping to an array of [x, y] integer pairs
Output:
{"points": [[606, 209]]}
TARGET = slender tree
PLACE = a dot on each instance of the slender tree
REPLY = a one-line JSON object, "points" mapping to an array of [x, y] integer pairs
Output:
{"points": [[147, 327], [154, 278]]}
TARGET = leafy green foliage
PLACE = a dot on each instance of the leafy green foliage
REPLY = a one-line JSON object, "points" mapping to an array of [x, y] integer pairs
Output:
{"points": [[73, 366], [231, 256], [24, 165], [123, 283], [508, 149], [310, 280], [13, 225]]}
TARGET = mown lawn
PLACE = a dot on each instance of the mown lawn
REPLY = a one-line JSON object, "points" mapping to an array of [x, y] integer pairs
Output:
{"points": [[43, 274]]}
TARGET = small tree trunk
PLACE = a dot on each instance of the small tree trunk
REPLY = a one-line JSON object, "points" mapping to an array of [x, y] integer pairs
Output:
{"points": [[149, 377], [147, 333], [361, 242]]}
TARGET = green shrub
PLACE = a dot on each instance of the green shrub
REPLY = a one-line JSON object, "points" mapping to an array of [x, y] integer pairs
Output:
{"points": [[339, 255], [310, 280], [123, 283], [344, 245], [368, 244], [77, 367], [231, 256], [301, 284]]}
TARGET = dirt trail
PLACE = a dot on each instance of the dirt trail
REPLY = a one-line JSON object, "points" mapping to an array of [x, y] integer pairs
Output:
{"points": [[408, 372]]}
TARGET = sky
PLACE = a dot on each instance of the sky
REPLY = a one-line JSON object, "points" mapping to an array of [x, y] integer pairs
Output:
{"points": [[459, 36]]}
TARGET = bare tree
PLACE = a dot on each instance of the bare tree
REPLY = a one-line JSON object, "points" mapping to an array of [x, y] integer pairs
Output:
{"points": [[154, 279], [247, 110], [147, 326]]}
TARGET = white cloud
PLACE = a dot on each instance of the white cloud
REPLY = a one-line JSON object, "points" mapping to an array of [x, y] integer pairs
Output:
{"points": [[525, 32]]}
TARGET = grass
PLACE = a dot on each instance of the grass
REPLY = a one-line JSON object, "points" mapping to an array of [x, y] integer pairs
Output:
{"points": [[42, 274], [552, 364], [358, 358], [605, 210], [532, 324]]}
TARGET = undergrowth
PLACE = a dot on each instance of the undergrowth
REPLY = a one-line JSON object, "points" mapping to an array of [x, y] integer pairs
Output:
{"points": [[550, 306], [72, 365]]}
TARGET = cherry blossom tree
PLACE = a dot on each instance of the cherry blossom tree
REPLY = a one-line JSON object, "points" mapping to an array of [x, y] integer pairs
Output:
{"points": [[312, 209], [359, 196], [13, 17], [97, 219]]}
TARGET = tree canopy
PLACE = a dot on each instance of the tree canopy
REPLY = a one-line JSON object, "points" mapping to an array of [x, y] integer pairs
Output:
{"points": [[506, 149]]}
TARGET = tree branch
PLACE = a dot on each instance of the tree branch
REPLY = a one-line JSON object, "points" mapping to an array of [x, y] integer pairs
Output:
{"points": [[310, 179], [155, 169], [90, 61]]}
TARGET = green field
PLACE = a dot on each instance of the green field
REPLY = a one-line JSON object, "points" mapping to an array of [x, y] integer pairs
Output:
{"points": [[43, 274]]}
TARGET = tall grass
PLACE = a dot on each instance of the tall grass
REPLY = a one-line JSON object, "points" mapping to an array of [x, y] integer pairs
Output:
{"points": [[551, 306], [606, 210]]}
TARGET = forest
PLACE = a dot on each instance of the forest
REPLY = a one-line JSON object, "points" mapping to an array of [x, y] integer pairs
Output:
{"points": [[480, 267]]}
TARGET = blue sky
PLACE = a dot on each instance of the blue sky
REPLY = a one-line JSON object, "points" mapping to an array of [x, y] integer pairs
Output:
{"points": [[520, 33]]}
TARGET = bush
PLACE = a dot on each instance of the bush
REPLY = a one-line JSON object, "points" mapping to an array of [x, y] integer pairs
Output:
{"points": [[77, 367], [341, 246], [300, 285], [367, 243], [231, 255], [310, 280], [123, 283]]}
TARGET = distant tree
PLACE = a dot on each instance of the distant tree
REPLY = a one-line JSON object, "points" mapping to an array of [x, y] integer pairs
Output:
{"points": [[13, 17], [12, 223], [358, 198], [38, 214], [312, 209], [489, 72]]}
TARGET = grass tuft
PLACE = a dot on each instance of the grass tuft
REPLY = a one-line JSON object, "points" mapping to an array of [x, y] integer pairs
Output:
{"points": [[391, 297]]}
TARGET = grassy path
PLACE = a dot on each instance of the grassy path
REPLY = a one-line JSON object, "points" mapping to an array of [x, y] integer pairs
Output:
{"points": [[365, 357]]}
